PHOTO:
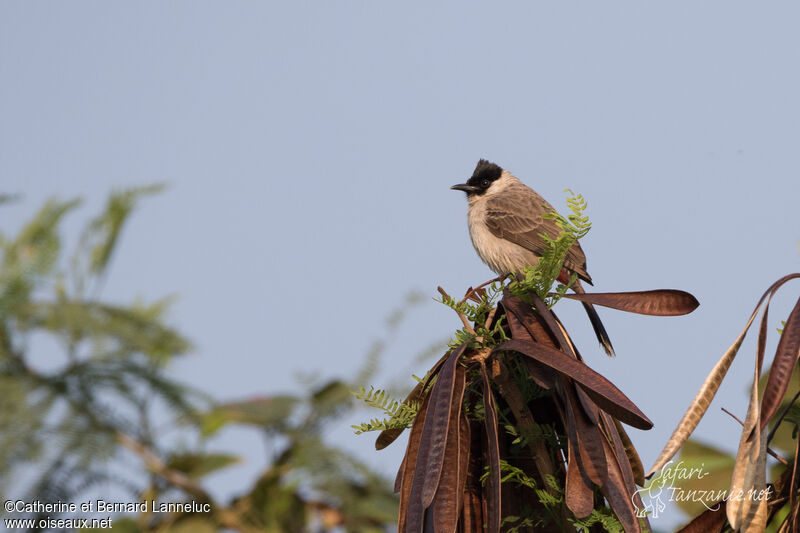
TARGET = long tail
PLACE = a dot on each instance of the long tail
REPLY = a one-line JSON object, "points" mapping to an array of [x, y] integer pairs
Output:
{"points": [[597, 324]]}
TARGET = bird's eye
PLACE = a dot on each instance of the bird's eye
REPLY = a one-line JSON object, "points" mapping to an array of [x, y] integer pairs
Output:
{"points": [[485, 184]]}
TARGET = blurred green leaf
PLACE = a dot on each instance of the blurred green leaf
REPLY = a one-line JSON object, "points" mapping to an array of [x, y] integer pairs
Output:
{"points": [[212, 422], [268, 411], [197, 465], [274, 506], [67, 422], [329, 400], [103, 232], [123, 330], [31, 255], [716, 468]]}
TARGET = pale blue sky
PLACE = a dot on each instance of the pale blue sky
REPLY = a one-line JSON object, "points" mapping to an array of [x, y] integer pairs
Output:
{"points": [[309, 148]]}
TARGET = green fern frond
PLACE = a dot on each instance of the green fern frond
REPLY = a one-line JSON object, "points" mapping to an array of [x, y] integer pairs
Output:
{"points": [[400, 414], [511, 474], [601, 515], [477, 313], [541, 277]]}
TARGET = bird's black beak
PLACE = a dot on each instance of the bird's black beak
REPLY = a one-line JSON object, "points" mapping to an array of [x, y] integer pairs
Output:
{"points": [[464, 187]]}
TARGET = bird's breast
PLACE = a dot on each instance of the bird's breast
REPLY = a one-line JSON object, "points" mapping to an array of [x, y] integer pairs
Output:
{"points": [[500, 255]]}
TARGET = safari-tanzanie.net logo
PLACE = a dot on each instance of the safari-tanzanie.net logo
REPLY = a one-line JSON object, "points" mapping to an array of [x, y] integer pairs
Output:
{"points": [[666, 487]]}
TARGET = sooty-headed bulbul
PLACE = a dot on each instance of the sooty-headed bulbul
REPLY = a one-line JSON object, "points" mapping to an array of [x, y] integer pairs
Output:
{"points": [[506, 224]]}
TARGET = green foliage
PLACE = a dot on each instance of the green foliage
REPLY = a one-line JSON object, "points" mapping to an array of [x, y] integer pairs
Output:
{"points": [[530, 520], [102, 233], [541, 277], [112, 357], [551, 498], [716, 467], [30, 257], [543, 432], [400, 414], [477, 313], [603, 516], [510, 474], [263, 412], [196, 465], [70, 424]]}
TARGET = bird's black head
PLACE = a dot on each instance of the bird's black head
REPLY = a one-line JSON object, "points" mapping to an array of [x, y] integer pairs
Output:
{"points": [[482, 178]]}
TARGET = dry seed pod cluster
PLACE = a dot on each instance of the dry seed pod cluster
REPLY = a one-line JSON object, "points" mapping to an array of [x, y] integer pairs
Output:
{"points": [[450, 477]]}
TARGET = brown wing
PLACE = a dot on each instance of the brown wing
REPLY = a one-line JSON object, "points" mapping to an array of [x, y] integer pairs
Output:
{"points": [[517, 216]]}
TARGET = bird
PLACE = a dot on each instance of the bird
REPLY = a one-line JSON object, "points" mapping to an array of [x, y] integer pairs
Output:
{"points": [[506, 223]]}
